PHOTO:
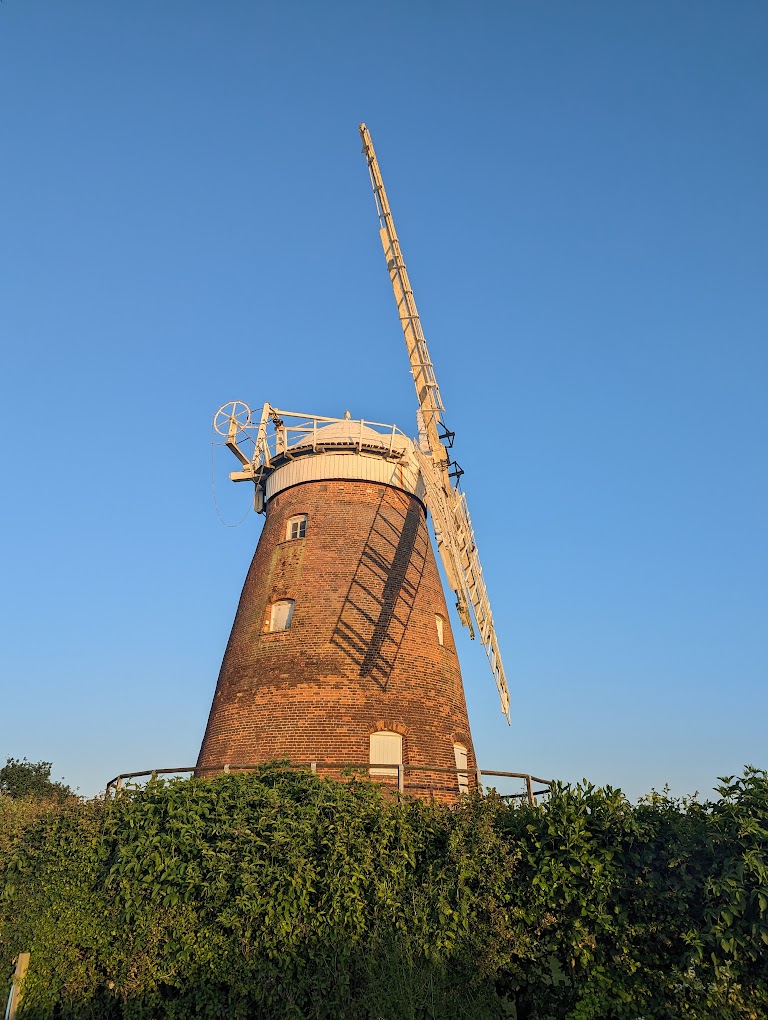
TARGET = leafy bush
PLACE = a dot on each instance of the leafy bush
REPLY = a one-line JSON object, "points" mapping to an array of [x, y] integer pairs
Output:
{"points": [[20, 779], [282, 895]]}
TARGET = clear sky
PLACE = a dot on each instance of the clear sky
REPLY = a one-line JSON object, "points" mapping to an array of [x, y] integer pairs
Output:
{"points": [[581, 191]]}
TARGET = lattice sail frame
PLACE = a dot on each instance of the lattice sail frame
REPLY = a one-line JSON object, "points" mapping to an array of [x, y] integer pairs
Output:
{"points": [[450, 515]]}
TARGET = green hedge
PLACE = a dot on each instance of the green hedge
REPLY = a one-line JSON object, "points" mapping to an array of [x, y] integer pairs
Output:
{"points": [[281, 895]]}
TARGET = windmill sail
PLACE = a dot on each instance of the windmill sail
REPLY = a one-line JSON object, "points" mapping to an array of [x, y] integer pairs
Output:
{"points": [[450, 516]]}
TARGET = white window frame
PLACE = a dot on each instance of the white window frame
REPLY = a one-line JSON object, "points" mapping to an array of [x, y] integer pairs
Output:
{"points": [[281, 615], [460, 756], [385, 748], [440, 625], [297, 523]]}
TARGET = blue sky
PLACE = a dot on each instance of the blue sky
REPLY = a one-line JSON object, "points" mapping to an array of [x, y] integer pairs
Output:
{"points": [[580, 191]]}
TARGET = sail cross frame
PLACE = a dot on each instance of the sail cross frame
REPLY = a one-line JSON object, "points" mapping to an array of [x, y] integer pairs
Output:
{"points": [[448, 507]]}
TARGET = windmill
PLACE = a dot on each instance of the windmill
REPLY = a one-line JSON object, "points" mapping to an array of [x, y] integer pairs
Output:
{"points": [[341, 651]]}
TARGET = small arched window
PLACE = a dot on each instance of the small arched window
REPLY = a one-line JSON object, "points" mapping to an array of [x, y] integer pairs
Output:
{"points": [[386, 749], [460, 754], [281, 615], [439, 625], [296, 527]]}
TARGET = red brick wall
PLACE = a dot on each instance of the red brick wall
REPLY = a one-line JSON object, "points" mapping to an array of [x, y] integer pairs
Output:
{"points": [[362, 652]]}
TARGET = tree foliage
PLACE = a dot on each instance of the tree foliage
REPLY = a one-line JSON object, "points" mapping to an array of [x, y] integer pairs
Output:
{"points": [[22, 778], [281, 895]]}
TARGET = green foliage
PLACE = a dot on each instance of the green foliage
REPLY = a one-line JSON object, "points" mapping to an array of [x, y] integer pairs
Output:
{"points": [[24, 778], [734, 938], [611, 892], [281, 895]]}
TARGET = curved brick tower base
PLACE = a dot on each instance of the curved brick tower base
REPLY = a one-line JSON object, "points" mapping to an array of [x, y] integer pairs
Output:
{"points": [[362, 653]]}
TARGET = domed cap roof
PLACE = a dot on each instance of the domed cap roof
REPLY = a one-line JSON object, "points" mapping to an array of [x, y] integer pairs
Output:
{"points": [[353, 435]]}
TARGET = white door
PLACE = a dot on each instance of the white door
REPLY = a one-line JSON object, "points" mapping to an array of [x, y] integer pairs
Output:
{"points": [[386, 749]]}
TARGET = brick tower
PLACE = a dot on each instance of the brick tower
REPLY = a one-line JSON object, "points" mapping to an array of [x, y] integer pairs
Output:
{"points": [[341, 650]]}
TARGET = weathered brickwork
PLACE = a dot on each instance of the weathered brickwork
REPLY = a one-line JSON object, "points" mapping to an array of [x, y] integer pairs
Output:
{"points": [[362, 652]]}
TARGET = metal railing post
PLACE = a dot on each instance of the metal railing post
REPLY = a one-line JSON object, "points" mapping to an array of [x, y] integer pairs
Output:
{"points": [[22, 962], [313, 766], [529, 784], [479, 780], [400, 779]]}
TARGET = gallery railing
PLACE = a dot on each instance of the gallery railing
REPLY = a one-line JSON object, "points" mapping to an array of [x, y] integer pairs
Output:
{"points": [[385, 771]]}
